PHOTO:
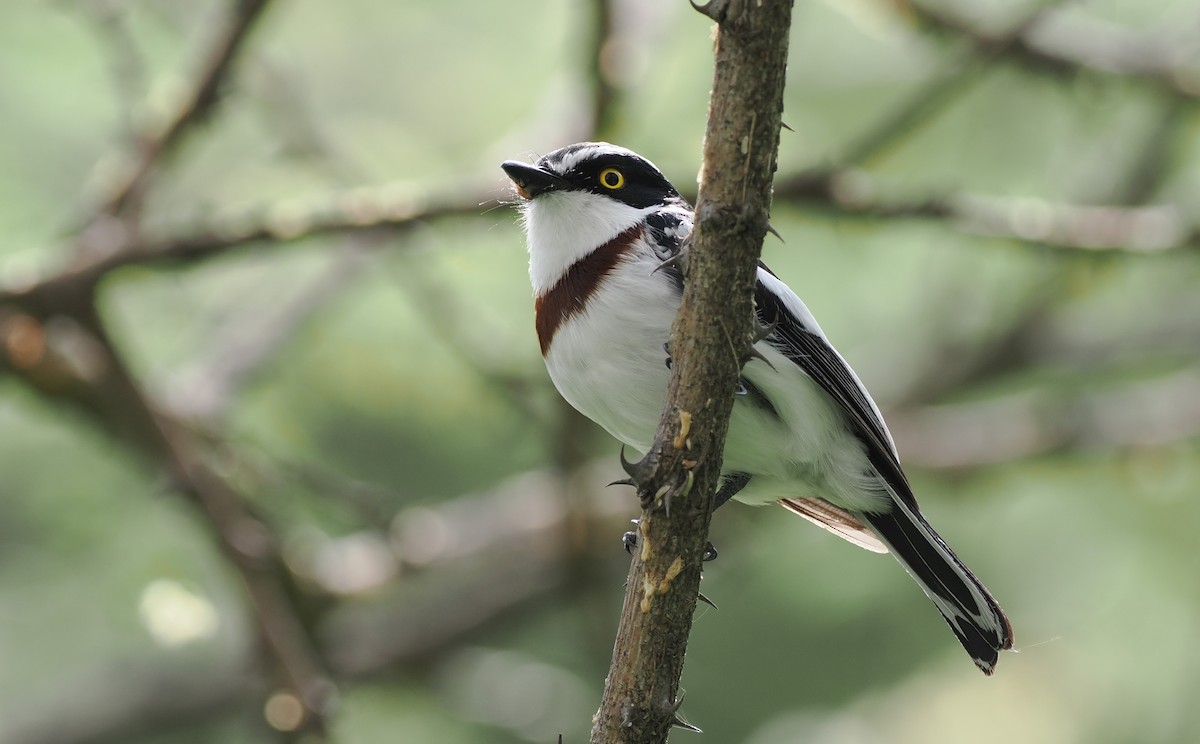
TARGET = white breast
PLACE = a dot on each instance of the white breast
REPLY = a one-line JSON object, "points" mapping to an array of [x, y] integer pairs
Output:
{"points": [[565, 226], [608, 361]]}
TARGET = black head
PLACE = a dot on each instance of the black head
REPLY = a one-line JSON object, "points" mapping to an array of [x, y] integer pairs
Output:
{"points": [[597, 167]]}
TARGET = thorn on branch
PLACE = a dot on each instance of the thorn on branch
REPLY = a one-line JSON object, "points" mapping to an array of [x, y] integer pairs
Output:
{"points": [[752, 352], [642, 471], [763, 330], [717, 10], [678, 261], [627, 715], [677, 720]]}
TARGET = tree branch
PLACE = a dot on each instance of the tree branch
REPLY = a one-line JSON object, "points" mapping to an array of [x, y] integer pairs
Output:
{"points": [[710, 340], [965, 436], [352, 212]]}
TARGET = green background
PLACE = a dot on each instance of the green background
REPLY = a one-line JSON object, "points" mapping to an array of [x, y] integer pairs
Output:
{"points": [[412, 392]]}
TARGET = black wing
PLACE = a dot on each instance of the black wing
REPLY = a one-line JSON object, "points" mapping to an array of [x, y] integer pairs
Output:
{"points": [[809, 350]]}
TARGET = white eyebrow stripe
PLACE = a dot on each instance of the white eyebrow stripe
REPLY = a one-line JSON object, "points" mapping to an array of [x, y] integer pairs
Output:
{"points": [[587, 151]]}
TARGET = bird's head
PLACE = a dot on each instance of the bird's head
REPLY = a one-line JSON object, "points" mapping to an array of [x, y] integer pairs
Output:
{"points": [[579, 197], [612, 173]]}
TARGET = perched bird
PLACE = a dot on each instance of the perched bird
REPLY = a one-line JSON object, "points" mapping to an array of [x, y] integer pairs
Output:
{"points": [[605, 231]]}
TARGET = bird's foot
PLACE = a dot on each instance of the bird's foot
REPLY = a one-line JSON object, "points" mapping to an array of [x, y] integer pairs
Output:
{"points": [[643, 470], [630, 539]]}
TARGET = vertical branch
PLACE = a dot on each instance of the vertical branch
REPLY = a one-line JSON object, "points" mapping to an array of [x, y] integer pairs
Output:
{"points": [[710, 341]]}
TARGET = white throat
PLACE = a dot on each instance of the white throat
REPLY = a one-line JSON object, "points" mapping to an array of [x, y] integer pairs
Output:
{"points": [[565, 226]]}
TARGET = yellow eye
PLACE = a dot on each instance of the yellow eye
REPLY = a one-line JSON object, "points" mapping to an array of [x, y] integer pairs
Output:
{"points": [[611, 178]]}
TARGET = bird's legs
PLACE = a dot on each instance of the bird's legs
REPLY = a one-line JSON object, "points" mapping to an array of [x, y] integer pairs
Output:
{"points": [[730, 486]]}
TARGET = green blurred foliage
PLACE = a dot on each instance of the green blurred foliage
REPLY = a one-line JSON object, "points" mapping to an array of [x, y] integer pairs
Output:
{"points": [[1090, 550]]}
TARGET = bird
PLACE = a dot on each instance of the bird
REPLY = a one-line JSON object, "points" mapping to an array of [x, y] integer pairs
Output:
{"points": [[607, 235]]}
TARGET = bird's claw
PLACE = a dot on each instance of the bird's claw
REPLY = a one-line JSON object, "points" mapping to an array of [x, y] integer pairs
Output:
{"points": [[666, 493], [629, 540], [752, 352]]}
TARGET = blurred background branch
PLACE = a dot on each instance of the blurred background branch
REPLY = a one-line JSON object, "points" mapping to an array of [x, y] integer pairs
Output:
{"points": [[155, 145], [1060, 45]]}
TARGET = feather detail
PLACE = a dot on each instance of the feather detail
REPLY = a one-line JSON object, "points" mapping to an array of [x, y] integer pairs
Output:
{"points": [[967, 606], [570, 293], [837, 520]]}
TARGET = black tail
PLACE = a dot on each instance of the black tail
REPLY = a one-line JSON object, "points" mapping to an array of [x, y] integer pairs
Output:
{"points": [[969, 609]]}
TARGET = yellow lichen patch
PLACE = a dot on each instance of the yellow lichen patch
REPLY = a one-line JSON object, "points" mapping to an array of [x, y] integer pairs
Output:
{"points": [[647, 593], [685, 427], [672, 571], [644, 528]]}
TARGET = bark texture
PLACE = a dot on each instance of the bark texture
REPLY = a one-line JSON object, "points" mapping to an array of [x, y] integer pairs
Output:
{"points": [[710, 342]]}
